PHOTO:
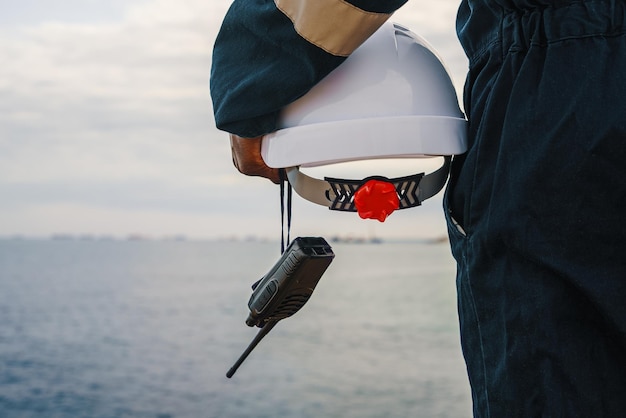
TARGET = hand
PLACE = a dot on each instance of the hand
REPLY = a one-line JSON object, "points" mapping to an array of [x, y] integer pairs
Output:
{"points": [[247, 158]]}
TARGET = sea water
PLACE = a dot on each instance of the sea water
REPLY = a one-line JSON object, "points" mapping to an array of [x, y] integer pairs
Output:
{"points": [[114, 328]]}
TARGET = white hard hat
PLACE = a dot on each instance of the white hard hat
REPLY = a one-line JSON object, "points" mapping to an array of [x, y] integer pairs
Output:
{"points": [[392, 98]]}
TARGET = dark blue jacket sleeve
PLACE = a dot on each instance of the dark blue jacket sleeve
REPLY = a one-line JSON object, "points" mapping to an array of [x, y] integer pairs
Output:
{"points": [[261, 64]]}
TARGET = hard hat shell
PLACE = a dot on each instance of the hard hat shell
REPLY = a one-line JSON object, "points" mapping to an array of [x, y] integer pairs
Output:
{"points": [[392, 98]]}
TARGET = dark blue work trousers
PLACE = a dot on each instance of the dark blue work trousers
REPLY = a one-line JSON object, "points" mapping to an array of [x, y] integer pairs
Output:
{"points": [[536, 208]]}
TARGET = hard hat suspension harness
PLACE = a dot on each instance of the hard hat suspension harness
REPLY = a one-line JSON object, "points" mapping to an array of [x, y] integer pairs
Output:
{"points": [[342, 195]]}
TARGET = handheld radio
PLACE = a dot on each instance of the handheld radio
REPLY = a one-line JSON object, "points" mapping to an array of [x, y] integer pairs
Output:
{"points": [[286, 287]]}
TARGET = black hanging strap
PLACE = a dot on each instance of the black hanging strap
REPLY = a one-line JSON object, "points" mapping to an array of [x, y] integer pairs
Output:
{"points": [[284, 182]]}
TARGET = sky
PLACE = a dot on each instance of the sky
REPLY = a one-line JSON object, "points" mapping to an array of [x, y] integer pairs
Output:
{"points": [[106, 127]]}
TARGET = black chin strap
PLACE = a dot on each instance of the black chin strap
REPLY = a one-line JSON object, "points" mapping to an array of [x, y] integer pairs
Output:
{"points": [[284, 182]]}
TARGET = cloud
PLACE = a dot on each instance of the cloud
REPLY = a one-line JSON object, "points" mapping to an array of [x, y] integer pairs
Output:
{"points": [[142, 77], [107, 110]]}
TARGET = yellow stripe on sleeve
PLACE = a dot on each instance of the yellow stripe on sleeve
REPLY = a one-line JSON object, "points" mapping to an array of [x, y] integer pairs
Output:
{"points": [[335, 26]]}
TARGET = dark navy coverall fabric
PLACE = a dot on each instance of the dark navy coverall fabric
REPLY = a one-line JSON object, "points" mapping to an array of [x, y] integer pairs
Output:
{"points": [[541, 196], [536, 207]]}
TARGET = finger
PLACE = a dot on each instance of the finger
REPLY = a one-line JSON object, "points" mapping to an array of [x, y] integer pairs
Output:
{"points": [[247, 158]]}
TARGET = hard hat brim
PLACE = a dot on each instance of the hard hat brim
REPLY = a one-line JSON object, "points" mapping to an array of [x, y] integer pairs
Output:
{"points": [[348, 140]]}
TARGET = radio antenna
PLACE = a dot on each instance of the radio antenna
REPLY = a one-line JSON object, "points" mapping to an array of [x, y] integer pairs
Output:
{"points": [[262, 333]]}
